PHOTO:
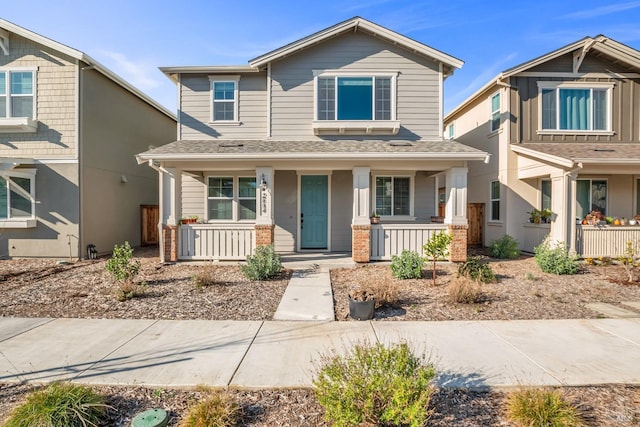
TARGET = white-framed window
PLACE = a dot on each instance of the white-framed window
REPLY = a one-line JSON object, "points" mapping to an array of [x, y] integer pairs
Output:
{"points": [[355, 96], [450, 131], [575, 106], [17, 195], [393, 196], [591, 195], [494, 123], [231, 198], [17, 93], [495, 200], [545, 194], [224, 99]]}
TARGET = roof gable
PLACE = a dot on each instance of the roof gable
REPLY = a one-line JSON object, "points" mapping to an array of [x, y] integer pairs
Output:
{"points": [[358, 24]]}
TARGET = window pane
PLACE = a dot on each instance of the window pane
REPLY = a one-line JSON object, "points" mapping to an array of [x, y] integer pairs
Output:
{"points": [[599, 196], [546, 195], [599, 109], [495, 102], [583, 190], [548, 109], [326, 99], [3, 83], [221, 187], [20, 205], [495, 112], [220, 209], [355, 98], [3, 106], [383, 195], [21, 106], [3, 198], [224, 90], [223, 111], [246, 187], [495, 189], [22, 83], [401, 196], [495, 210], [383, 98], [247, 209], [575, 110]]}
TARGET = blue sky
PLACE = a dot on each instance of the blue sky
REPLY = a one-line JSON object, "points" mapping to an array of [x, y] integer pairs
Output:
{"points": [[135, 37]]}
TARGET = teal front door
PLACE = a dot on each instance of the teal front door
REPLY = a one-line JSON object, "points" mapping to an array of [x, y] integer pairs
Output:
{"points": [[314, 211]]}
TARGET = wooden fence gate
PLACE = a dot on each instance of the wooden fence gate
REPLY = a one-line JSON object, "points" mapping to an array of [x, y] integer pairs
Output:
{"points": [[149, 217], [475, 216]]}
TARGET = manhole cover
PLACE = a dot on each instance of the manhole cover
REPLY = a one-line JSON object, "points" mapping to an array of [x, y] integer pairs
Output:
{"points": [[151, 418]]}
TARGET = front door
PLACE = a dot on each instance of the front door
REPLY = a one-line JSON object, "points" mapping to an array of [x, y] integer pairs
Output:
{"points": [[314, 211]]}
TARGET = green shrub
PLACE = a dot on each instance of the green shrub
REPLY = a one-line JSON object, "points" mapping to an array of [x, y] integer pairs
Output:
{"points": [[463, 290], [407, 266], [375, 385], [122, 267], [556, 260], [437, 247], [216, 410], [505, 248], [542, 408], [59, 404], [475, 269], [264, 264]]}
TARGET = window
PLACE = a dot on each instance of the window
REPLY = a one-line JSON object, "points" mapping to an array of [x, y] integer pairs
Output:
{"points": [[545, 191], [450, 131], [225, 99], [567, 107], [591, 196], [225, 204], [495, 200], [495, 112], [17, 191], [354, 98], [393, 195], [17, 94]]}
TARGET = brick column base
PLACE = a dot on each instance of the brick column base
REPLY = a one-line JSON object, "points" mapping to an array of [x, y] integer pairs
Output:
{"points": [[360, 243], [264, 234], [170, 241], [458, 248]]}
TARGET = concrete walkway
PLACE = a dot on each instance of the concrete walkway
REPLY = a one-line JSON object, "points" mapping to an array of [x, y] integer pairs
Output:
{"points": [[256, 354]]}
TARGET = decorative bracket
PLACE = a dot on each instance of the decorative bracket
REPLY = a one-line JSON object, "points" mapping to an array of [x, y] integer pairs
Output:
{"points": [[4, 41], [578, 55]]}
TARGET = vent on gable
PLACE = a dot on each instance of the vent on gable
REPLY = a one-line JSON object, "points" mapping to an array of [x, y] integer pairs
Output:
{"points": [[231, 145], [604, 150], [400, 144]]}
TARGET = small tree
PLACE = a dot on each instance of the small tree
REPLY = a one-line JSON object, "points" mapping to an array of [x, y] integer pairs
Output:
{"points": [[628, 260], [437, 247], [121, 265]]}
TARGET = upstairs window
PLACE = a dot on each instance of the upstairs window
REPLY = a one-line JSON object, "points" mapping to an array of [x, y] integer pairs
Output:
{"points": [[575, 108], [355, 98], [450, 131], [495, 113], [495, 200], [17, 94], [225, 99]]}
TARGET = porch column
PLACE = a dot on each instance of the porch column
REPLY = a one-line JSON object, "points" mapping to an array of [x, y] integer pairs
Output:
{"points": [[265, 223], [360, 223], [170, 212], [563, 187], [456, 212]]}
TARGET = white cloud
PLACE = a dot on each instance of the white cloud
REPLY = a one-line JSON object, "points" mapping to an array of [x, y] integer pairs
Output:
{"points": [[143, 74], [601, 11]]}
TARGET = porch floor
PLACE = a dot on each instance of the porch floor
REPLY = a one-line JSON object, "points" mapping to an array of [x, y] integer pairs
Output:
{"points": [[323, 261]]}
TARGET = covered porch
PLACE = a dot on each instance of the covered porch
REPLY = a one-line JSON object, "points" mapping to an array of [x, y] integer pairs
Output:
{"points": [[220, 203]]}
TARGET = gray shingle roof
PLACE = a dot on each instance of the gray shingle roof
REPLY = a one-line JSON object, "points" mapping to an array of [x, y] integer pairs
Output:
{"points": [[589, 152]]}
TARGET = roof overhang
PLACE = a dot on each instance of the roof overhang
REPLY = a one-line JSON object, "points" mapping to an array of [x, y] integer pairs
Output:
{"points": [[569, 155], [9, 163], [173, 72]]}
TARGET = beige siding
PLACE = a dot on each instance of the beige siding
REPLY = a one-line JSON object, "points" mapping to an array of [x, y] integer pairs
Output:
{"points": [[424, 196], [286, 208], [193, 197], [418, 93], [195, 109], [55, 98], [341, 211], [116, 125]]}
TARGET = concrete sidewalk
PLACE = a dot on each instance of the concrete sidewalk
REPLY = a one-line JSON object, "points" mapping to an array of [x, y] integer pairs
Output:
{"points": [[257, 354]]}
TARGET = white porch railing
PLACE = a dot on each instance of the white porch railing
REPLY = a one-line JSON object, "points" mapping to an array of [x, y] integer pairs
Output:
{"points": [[216, 241], [595, 241], [533, 235], [391, 239]]}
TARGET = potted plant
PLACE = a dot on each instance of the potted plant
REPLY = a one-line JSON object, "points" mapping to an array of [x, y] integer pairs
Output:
{"points": [[375, 217], [362, 303], [545, 215], [534, 216]]}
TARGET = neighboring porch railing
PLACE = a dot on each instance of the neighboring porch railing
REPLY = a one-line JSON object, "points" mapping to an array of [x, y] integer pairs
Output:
{"points": [[216, 241], [391, 239], [595, 241]]}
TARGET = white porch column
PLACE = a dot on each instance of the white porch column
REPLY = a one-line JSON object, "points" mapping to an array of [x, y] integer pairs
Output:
{"points": [[361, 196], [456, 207], [264, 181], [563, 187], [171, 196]]}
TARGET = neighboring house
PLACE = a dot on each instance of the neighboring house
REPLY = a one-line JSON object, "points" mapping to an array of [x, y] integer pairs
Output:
{"points": [[564, 133], [301, 146], [69, 129]]}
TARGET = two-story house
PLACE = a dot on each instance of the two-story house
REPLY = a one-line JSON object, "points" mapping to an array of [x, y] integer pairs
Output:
{"points": [[564, 133], [69, 129], [300, 147]]}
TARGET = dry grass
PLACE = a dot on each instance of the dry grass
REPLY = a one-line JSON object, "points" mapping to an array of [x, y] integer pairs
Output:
{"points": [[463, 290]]}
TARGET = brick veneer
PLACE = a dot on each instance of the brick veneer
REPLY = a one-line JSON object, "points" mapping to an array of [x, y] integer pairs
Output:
{"points": [[458, 249], [170, 241], [264, 235], [361, 247]]}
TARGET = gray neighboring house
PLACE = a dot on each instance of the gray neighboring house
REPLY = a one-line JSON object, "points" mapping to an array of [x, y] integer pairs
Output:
{"points": [[564, 133], [302, 145], [69, 129]]}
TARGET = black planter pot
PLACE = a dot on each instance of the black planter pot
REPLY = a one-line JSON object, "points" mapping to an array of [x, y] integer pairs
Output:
{"points": [[361, 310]]}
